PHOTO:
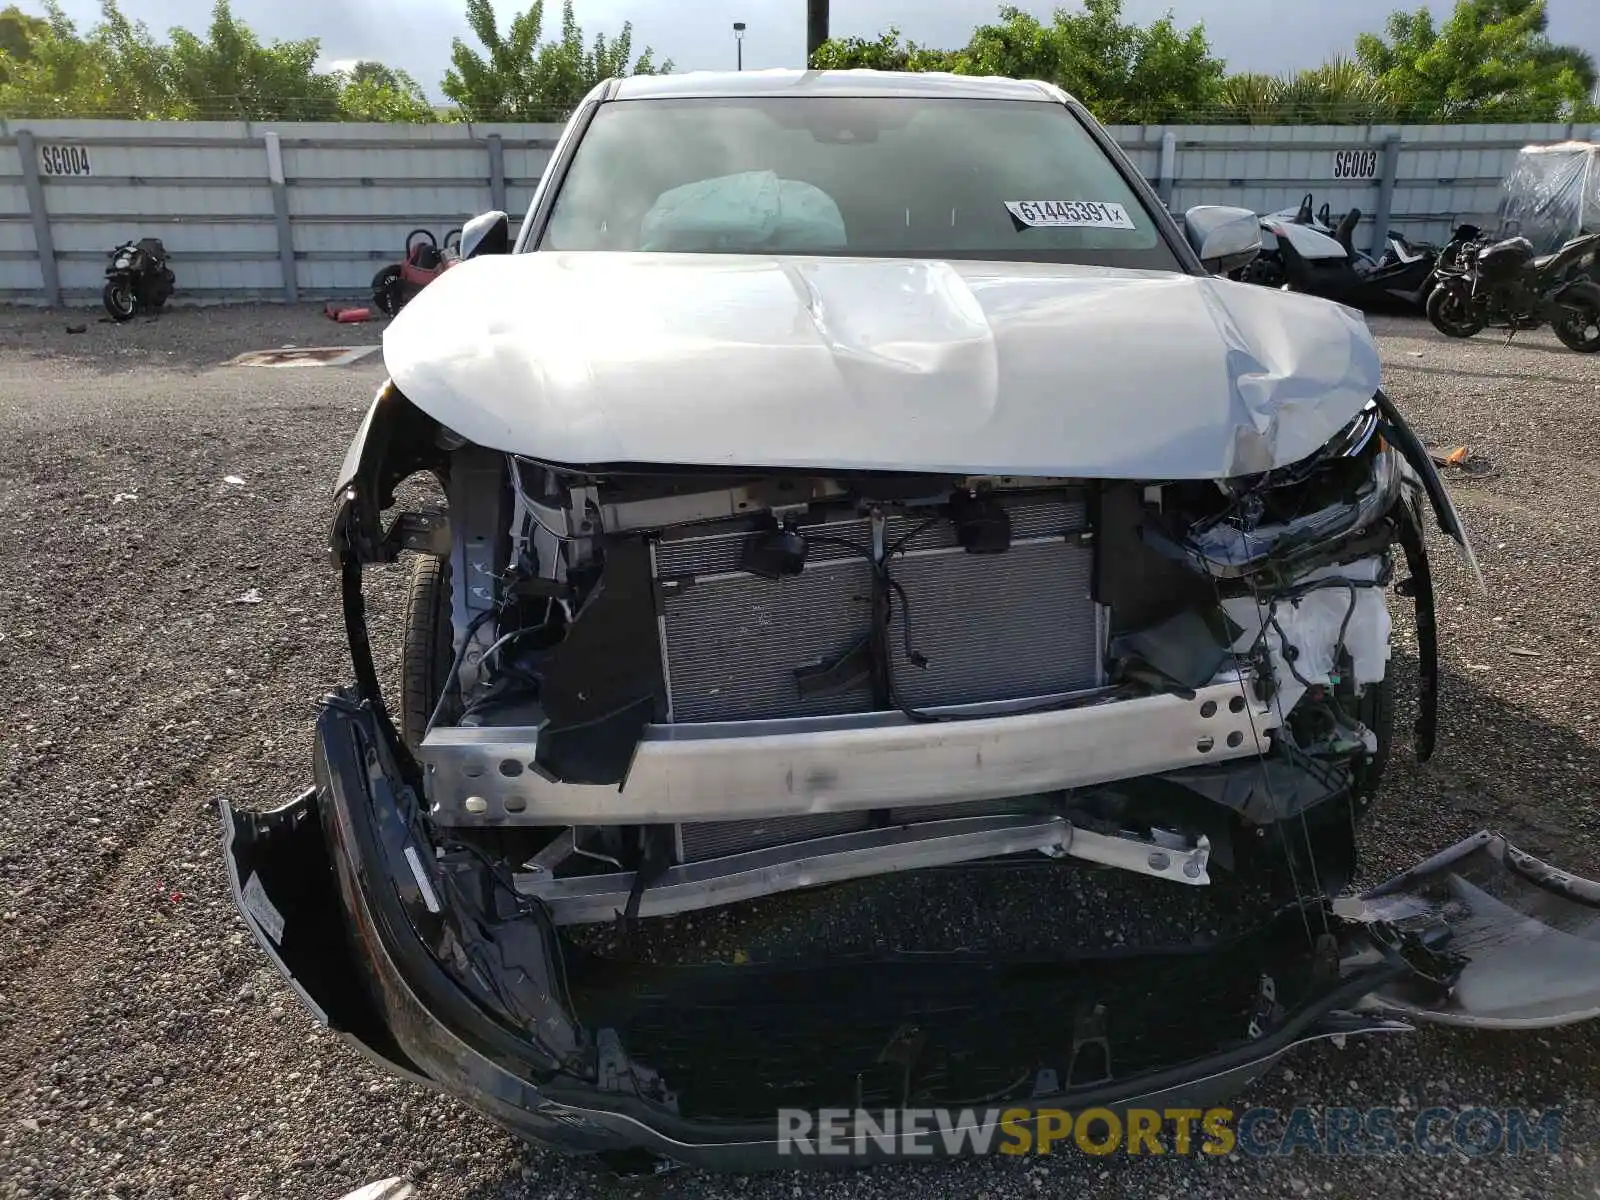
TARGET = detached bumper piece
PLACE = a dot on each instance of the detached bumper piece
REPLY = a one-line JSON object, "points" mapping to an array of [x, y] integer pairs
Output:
{"points": [[438, 967]]}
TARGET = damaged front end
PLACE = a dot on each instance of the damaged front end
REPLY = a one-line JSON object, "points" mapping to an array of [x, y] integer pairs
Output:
{"points": [[660, 692]]}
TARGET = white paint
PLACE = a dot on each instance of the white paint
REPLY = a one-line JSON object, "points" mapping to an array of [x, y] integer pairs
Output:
{"points": [[872, 364], [274, 158]]}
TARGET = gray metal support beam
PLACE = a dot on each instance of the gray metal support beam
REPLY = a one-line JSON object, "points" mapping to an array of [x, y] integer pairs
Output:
{"points": [[1167, 176], [1387, 172], [497, 173], [280, 210], [43, 242]]}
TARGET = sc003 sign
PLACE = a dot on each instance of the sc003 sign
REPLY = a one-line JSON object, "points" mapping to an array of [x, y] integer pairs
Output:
{"points": [[1355, 164], [64, 160]]}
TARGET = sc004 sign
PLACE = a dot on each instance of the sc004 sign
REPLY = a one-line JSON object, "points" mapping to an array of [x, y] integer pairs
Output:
{"points": [[64, 160], [1355, 164]]}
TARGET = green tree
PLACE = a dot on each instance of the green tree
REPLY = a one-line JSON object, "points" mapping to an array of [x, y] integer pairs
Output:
{"points": [[886, 53], [1491, 60], [139, 73], [17, 31], [1123, 72], [1340, 92], [119, 69], [519, 79], [230, 73], [1250, 98], [60, 74], [373, 91]]}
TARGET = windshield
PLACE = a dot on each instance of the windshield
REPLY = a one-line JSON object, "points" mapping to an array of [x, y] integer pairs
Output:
{"points": [[892, 177]]}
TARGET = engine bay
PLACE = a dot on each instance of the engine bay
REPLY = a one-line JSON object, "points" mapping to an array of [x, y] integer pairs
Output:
{"points": [[660, 690]]}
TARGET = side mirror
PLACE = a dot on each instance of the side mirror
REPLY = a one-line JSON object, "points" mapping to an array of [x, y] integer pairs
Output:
{"points": [[488, 233], [1224, 238]]}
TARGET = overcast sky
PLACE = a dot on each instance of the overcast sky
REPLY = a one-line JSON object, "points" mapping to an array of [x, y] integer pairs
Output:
{"points": [[1259, 35]]}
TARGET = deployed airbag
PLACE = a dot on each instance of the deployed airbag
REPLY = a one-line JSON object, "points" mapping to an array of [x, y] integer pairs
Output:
{"points": [[749, 212]]}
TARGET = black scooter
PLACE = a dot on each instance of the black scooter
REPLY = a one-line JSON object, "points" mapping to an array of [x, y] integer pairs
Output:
{"points": [[138, 279], [1505, 285]]}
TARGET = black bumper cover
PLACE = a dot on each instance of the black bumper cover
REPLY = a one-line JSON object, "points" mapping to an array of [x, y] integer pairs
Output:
{"points": [[690, 1065]]}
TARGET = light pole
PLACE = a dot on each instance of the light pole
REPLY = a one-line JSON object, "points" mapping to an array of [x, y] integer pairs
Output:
{"points": [[738, 42], [816, 26]]}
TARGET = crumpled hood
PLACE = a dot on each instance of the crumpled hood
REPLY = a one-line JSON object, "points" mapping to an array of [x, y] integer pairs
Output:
{"points": [[879, 364]]}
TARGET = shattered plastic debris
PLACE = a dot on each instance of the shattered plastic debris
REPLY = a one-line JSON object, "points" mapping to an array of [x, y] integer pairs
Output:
{"points": [[253, 596], [233, 480], [121, 496]]}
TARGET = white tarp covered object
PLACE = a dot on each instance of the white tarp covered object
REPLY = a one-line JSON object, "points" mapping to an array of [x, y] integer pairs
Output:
{"points": [[1552, 194], [751, 211]]}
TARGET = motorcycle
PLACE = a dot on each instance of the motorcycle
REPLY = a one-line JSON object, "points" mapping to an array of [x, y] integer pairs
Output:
{"points": [[1302, 252], [1462, 237], [138, 279], [1504, 285]]}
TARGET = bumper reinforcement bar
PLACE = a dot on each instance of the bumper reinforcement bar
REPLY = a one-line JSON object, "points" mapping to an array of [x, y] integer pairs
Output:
{"points": [[733, 771]]}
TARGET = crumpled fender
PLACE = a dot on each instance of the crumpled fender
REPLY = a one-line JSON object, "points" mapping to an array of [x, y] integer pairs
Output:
{"points": [[1410, 446]]}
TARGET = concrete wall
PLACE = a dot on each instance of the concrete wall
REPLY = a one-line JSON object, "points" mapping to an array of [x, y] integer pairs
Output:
{"points": [[1427, 176], [349, 194]]}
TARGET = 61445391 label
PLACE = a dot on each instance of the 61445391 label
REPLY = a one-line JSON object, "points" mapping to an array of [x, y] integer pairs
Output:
{"points": [[1069, 214]]}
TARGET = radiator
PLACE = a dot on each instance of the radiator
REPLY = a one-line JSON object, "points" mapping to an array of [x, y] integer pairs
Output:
{"points": [[991, 627]]}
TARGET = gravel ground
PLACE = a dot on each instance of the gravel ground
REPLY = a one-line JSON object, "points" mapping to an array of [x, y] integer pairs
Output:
{"points": [[146, 1050]]}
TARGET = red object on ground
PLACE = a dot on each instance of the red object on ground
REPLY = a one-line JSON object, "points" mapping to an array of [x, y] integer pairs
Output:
{"points": [[346, 314]]}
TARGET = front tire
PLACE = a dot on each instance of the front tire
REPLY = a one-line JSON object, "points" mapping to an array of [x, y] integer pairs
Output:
{"points": [[1452, 314], [1578, 322], [118, 299], [426, 651], [388, 291]]}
